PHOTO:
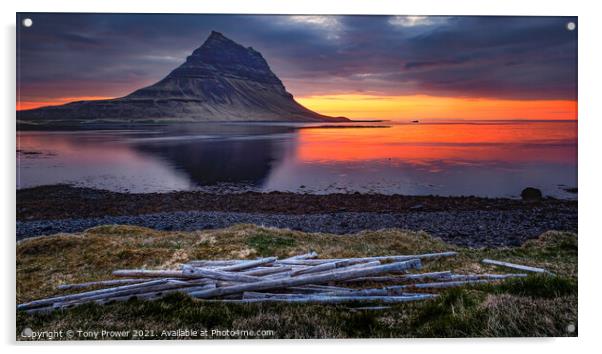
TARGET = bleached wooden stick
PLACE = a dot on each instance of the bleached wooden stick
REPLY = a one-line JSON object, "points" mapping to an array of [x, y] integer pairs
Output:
{"points": [[327, 287], [154, 285], [268, 271], [100, 283], [394, 290], [339, 265], [147, 273], [486, 276], [229, 262], [333, 299], [125, 292], [327, 266], [308, 279], [447, 284], [515, 266], [198, 273], [51, 300], [155, 295], [247, 265], [262, 295], [308, 255], [150, 295], [397, 258], [194, 272], [320, 270], [257, 295], [404, 277], [215, 263], [312, 289], [436, 275]]}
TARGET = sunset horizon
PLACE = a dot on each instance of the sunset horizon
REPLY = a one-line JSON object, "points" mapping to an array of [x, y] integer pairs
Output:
{"points": [[359, 107], [334, 65]]}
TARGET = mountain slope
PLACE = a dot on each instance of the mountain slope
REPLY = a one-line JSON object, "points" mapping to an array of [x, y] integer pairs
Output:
{"points": [[220, 81]]}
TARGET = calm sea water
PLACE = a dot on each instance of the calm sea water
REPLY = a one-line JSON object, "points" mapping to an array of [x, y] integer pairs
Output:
{"points": [[452, 158]]}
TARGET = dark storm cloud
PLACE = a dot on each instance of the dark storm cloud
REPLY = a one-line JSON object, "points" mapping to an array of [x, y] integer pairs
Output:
{"points": [[509, 57], [67, 55]]}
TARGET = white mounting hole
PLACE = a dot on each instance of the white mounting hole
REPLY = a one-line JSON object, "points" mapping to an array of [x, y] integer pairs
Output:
{"points": [[27, 22], [571, 26]]}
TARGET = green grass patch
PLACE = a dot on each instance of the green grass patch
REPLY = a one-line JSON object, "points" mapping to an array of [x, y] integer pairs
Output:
{"points": [[453, 314], [538, 286], [538, 305], [269, 245]]}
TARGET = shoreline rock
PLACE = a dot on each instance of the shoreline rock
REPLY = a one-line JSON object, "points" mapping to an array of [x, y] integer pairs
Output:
{"points": [[531, 194]]}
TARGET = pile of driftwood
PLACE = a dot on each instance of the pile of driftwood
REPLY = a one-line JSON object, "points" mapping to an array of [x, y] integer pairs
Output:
{"points": [[299, 279]]}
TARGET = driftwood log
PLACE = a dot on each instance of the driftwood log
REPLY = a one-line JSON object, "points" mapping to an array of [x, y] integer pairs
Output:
{"points": [[100, 283], [368, 259], [308, 279], [52, 300], [515, 266], [301, 278], [335, 299]]}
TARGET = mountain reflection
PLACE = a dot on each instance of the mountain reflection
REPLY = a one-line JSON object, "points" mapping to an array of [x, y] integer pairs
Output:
{"points": [[213, 161]]}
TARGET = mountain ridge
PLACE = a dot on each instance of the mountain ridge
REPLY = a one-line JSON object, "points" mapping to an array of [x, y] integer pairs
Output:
{"points": [[220, 81]]}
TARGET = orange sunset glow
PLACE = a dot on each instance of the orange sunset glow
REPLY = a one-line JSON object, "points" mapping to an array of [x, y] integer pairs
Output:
{"points": [[432, 107], [405, 107]]}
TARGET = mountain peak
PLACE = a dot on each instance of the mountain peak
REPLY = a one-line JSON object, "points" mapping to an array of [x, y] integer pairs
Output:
{"points": [[218, 38], [215, 35], [220, 54], [217, 42], [220, 80]]}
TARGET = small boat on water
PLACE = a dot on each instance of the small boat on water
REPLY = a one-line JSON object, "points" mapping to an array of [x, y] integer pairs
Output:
{"points": [[415, 121]]}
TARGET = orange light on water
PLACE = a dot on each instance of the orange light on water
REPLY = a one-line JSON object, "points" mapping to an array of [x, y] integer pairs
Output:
{"points": [[432, 107], [461, 143]]}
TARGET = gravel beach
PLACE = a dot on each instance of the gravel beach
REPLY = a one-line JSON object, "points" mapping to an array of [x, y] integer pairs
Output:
{"points": [[466, 221], [64, 201], [465, 228]]}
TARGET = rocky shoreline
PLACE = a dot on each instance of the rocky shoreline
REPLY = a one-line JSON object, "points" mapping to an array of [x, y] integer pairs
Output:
{"points": [[466, 221], [494, 228], [64, 201]]}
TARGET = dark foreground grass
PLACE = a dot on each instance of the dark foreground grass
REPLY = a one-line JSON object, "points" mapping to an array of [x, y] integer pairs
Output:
{"points": [[539, 305]]}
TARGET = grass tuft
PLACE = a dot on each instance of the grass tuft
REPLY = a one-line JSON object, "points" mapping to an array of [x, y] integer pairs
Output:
{"points": [[537, 286], [266, 244], [453, 314]]}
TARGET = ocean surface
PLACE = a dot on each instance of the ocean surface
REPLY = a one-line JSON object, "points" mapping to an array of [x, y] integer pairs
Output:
{"points": [[481, 158]]}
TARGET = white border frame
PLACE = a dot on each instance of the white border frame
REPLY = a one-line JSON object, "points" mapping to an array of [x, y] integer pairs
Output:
{"points": [[590, 57]]}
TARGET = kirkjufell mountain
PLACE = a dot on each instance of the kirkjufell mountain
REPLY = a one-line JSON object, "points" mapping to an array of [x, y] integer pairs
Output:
{"points": [[220, 81]]}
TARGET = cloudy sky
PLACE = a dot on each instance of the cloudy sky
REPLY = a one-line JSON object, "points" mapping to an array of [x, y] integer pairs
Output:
{"points": [[358, 66]]}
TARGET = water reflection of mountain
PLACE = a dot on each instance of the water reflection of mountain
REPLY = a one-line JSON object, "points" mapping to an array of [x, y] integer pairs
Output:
{"points": [[241, 159]]}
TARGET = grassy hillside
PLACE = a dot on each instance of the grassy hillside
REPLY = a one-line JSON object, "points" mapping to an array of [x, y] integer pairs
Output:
{"points": [[533, 306]]}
